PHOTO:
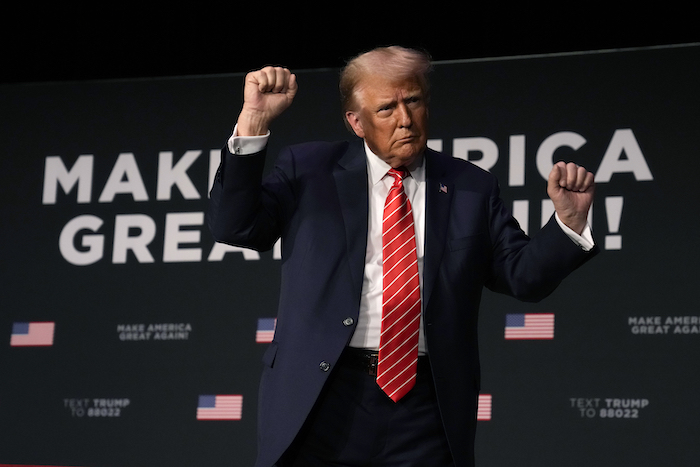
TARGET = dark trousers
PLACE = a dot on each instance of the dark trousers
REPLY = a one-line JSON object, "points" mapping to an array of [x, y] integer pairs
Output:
{"points": [[355, 424]]}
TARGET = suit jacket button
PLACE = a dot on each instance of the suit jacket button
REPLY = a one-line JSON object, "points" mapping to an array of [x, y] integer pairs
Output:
{"points": [[348, 321], [324, 366]]}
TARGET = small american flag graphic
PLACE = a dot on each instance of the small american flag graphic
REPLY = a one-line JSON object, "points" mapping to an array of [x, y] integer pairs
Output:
{"points": [[220, 407], [530, 326], [483, 411], [32, 334], [266, 330]]}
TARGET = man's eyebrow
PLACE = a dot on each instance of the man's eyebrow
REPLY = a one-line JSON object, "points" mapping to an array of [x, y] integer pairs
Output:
{"points": [[389, 101]]}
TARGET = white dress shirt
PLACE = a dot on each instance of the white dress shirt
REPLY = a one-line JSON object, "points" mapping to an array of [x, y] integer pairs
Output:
{"points": [[366, 334]]}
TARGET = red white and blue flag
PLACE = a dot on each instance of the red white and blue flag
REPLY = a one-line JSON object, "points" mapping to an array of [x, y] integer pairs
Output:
{"points": [[32, 334], [266, 330], [220, 407], [530, 326], [483, 411]]}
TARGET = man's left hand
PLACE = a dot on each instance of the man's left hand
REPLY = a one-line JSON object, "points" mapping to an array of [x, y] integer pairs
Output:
{"points": [[571, 189]]}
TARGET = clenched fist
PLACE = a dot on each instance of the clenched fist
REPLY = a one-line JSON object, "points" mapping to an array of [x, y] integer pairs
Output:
{"points": [[571, 188], [267, 93]]}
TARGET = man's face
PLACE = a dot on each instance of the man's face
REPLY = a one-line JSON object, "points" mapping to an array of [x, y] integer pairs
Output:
{"points": [[392, 119]]}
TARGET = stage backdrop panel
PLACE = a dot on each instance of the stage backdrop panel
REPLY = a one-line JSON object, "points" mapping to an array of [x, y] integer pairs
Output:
{"points": [[129, 338]]}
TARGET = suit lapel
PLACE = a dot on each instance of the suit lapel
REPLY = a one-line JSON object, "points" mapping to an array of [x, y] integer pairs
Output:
{"points": [[438, 199], [351, 182]]}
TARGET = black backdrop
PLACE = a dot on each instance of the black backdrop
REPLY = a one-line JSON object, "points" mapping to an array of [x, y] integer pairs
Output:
{"points": [[616, 385]]}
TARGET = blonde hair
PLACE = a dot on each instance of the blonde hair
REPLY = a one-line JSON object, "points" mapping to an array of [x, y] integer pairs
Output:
{"points": [[393, 62]]}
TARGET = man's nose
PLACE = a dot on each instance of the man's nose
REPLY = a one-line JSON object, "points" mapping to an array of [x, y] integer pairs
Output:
{"points": [[404, 116]]}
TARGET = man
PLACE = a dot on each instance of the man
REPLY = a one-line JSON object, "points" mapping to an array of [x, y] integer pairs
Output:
{"points": [[339, 386]]}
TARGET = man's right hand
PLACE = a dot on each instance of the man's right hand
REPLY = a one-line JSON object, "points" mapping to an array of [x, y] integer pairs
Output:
{"points": [[267, 93]]}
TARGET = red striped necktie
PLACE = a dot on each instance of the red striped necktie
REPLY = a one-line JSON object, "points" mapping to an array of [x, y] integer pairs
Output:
{"points": [[398, 343]]}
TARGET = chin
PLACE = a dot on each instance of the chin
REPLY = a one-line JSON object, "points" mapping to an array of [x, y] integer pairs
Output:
{"points": [[406, 160]]}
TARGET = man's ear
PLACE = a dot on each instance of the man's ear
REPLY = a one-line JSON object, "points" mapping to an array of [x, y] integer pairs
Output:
{"points": [[353, 120]]}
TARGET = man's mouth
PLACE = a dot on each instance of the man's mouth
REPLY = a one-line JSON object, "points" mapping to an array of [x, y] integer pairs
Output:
{"points": [[407, 139]]}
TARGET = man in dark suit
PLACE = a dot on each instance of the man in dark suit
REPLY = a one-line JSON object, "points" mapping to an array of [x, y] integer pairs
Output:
{"points": [[324, 399]]}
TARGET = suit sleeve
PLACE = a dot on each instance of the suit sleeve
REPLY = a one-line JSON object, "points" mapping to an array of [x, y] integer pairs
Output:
{"points": [[530, 269], [243, 210]]}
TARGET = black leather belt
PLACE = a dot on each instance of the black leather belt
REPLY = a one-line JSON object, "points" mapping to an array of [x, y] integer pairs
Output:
{"points": [[366, 360]]}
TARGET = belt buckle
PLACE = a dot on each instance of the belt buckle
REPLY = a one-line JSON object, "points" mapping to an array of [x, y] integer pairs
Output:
{"points": [[372, 361]]}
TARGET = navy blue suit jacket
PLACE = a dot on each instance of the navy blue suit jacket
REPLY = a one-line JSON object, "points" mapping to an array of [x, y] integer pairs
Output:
{"points": [[316, 200]]}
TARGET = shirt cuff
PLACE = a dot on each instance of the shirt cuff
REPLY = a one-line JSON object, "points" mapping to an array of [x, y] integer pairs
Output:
{"points": [[246, 145], [585, 240]]}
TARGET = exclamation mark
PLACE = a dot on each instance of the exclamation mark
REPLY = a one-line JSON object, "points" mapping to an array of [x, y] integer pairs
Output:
{"points": [[613, 208]]}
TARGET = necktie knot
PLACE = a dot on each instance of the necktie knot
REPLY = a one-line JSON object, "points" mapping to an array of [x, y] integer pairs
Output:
{"points": [[398, 174]]}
